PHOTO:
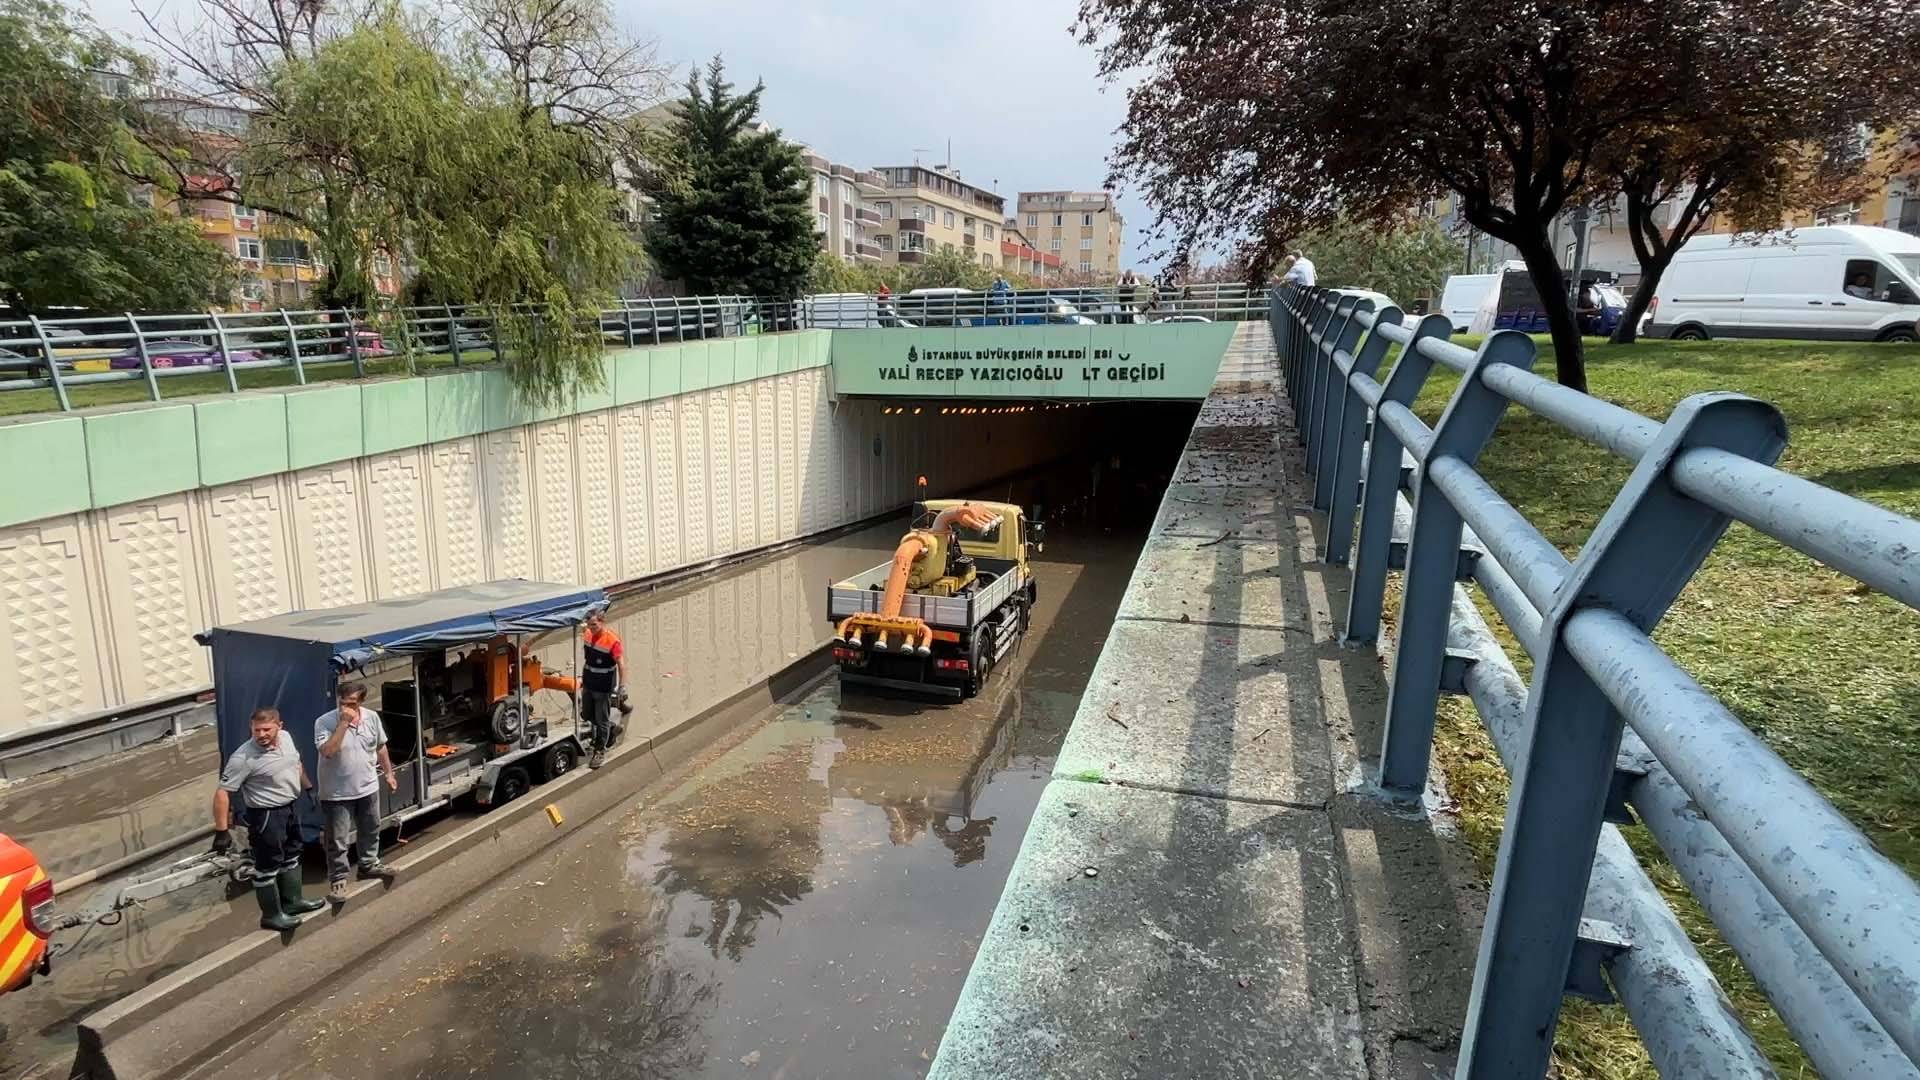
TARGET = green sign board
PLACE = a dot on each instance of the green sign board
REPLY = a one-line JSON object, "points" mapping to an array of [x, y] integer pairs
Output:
{"points": [[1165, 360]]}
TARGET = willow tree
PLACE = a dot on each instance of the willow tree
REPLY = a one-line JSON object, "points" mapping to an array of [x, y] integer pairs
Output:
{"points": [[471, 151]]}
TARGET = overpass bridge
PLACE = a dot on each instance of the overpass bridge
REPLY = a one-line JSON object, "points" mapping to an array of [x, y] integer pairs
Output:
{"points": [[1237, 864]]}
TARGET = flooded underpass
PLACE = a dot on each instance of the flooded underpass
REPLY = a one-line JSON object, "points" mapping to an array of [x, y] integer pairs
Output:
{"points": [[802, 900]]}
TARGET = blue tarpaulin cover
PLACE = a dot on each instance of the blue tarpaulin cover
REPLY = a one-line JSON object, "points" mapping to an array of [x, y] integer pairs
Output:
{"points": [[291, 662]]}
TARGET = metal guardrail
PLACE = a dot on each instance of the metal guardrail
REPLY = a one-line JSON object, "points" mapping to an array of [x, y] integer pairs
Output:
{"points": [[1828, 927], [60, 354]]}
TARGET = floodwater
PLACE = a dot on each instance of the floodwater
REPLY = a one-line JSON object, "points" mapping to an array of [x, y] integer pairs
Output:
{"points": [[803, 900], [690, 646]]}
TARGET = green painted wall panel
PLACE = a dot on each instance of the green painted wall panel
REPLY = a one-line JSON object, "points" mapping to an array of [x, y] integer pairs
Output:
{"points": [[241, 437], [665, 372], [394, 415], [46, 469], [696, 366], [588, 399], [455, 405], [631, 371], [142, 452], [766, 355], [323, 425]]}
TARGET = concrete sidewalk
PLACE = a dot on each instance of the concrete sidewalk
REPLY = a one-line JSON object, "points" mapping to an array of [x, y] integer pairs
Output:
{"points": [[1208, 888]]}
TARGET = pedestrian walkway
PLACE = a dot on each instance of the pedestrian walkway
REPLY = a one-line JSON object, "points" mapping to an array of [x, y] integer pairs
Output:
{"points": [[1208, 888]]}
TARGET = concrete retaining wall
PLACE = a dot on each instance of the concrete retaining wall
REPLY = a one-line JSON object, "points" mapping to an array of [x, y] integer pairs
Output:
{"points": [[125, 531]]}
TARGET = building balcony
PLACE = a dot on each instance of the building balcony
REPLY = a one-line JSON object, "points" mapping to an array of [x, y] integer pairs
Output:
{"points": [[870, 183], [869, 217], [867, 251], [912, 225], [967, 239], [911, 256], [816, 162]]}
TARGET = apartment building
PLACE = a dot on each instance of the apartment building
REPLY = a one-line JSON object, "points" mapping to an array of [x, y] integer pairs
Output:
{"points": [[1084, 228], [924, 210], [846, 219], [278, 267], [1018, 255]]}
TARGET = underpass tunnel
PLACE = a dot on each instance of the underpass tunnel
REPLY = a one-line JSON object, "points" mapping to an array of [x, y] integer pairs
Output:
{"points": [[1106, 463]]}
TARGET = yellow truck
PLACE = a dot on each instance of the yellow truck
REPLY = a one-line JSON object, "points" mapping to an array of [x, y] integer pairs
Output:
{"points": [[956, 597]]}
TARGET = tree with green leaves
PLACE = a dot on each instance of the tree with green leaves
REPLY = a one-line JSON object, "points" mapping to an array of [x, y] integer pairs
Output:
{"points": [[1405, 260], [481, 153], [731, 207], [71, 233]]}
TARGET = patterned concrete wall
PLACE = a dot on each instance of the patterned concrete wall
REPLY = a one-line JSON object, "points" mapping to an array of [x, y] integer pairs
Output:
{"points": [[98, 607]]}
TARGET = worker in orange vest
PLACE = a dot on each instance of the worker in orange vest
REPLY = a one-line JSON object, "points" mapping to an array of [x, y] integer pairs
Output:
{"points": [[605, 662]]}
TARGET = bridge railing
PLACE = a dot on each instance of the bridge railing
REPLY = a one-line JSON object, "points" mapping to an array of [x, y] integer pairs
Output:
{"points": [[1610, 726], [60, 354]]}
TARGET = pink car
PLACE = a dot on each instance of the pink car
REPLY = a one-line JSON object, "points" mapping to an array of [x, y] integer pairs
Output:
{"points": [[181, 352]]}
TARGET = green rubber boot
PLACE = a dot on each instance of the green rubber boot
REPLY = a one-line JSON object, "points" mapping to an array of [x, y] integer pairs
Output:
{"points": [[292, 901], [271, 917]]}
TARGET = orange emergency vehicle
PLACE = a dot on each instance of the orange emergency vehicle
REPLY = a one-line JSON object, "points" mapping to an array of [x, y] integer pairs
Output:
{"points": [[26, 915]]}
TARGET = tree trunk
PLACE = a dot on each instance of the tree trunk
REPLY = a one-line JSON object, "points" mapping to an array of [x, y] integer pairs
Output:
{"points": [[1569, 350]]}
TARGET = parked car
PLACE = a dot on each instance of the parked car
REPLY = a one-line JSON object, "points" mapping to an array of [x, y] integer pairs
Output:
{"points": [[1183, 318], [1837, 283], [181, 352]]}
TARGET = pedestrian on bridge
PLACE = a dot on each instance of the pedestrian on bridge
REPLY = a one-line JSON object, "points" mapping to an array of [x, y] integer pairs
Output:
{"points": [[352, 744], [605, 664], [265, 771], [1299, 270]]}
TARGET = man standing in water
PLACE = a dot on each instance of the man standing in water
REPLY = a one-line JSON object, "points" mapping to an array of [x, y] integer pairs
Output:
{"points": [[352, 743], [266, 773], [606, 672]]}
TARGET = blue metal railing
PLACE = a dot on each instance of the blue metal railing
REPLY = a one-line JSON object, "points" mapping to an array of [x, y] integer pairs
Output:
{"points": [[61, 354], [1828, 927]]}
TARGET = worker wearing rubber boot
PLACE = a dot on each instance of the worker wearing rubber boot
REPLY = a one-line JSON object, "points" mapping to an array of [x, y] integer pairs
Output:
{"points": [[605, 664], [353, 757], [267, 775]]}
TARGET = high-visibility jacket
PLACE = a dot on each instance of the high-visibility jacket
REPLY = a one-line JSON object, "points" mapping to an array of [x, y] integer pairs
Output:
{"points": [[20, 948], [602, 661]]}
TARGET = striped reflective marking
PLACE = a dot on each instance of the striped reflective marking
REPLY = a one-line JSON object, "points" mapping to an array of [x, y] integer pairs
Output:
{"points": [[19, 947]]}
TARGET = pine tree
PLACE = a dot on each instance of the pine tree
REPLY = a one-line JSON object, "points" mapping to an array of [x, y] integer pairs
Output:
{"points": [[731, 203]]}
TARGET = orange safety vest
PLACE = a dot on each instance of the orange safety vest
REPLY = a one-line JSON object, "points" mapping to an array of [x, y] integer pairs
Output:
{"points": [[20, 948]]}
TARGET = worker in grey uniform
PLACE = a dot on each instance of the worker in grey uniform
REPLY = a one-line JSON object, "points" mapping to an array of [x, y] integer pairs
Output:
{"points": [[353, 758], [265, 771]]}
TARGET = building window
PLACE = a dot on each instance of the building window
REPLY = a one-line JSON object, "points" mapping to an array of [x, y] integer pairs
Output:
{"points": [[1086, 243], [917, 210], [1054, 244], [288, 252], [947, 219], [988, 232], [821, 225], [986, 260], [885, 241], [1059, 220], [913, 241], [819, 184], [1086, 219], [245, 216], [1085, 266], [885, 209], [1033, 221], [247, 248], [846, 230]]}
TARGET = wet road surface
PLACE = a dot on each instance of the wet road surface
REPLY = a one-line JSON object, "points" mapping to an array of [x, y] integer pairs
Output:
{"points": [[801, 900], [690, 646]]}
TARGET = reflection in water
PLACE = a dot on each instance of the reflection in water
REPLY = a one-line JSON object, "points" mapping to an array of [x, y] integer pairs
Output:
{"points": [[748, 846], [611, 1006]]}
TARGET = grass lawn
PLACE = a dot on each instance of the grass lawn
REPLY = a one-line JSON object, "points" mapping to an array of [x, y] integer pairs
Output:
{"points": [[214, 381], [1827, 672]]}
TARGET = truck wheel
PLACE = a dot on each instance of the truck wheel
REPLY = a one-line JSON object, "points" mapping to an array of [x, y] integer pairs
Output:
{"points": [[1690, 333], [1902, 335], [507, 721], [512, 783], [559, 760], [977, 665]]}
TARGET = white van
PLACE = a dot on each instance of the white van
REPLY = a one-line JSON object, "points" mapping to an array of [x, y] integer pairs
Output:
{"points": [[1835, 283], [1464, 294], [848, 311]]}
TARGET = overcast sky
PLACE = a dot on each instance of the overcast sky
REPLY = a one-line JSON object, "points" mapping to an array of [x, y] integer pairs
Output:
{"points": [[870, 85]]}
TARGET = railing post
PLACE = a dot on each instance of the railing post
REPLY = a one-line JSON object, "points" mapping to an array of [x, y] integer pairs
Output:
{"points": [[626, 310], [1319, 378], [1642, 553], [1334, 393], [226, 357], [453, 334], [1433, 562], [1380, 493], [293, 349], [146, 361], [1320, 316], [53, 364], [1343, 479], [353, 344]]}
